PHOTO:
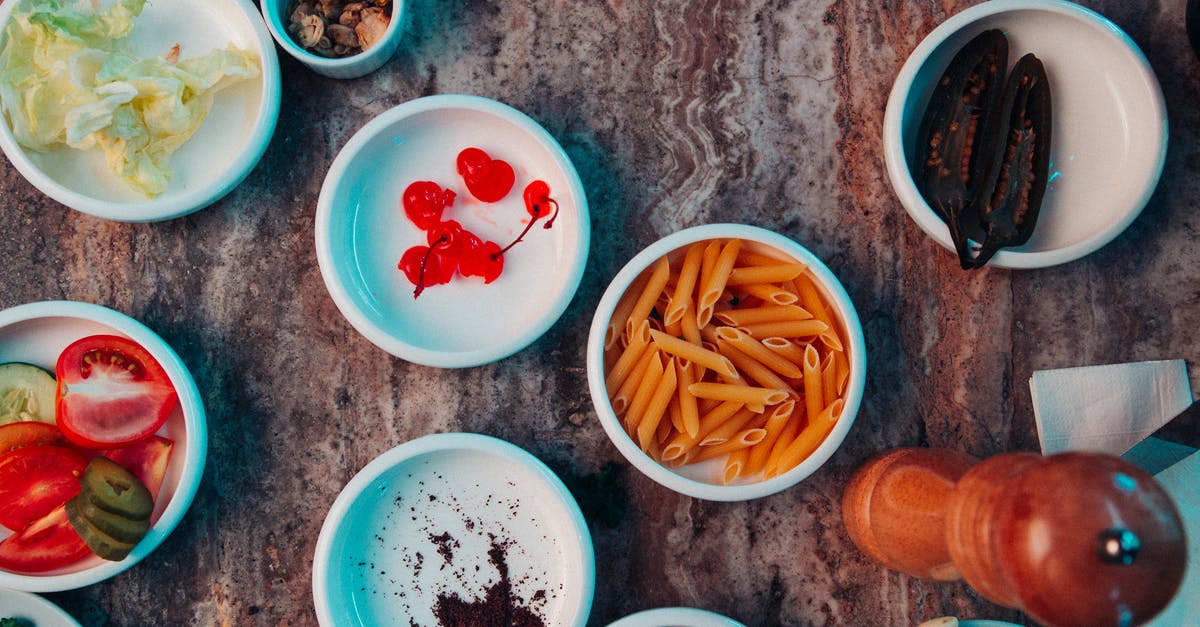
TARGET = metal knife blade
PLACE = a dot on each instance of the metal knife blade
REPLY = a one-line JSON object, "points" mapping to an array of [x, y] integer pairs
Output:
{"points": [[1169, 444]]}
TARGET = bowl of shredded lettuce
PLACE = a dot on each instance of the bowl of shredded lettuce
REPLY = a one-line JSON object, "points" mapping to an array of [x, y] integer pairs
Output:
{"points": [[132, 110]]}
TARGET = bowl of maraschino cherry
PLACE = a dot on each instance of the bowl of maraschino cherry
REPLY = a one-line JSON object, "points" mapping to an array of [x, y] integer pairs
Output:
{"points": [[452, 231]]}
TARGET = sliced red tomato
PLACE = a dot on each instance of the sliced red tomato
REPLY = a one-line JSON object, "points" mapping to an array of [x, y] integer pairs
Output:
{"points": [[17, 434], [35, 480], [147, 460], [47, 543], [111, 392]]}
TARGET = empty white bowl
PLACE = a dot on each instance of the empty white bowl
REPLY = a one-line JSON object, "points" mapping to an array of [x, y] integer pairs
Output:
{"points": [[275, 14], [362, 231], [418, 522], [674, 617], [36, 334], [704, 480], [228, 145], [1109, 124]]}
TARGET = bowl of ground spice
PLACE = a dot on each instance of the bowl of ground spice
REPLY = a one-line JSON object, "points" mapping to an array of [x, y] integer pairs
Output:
{"points": [[337, 38], [454, 529]]}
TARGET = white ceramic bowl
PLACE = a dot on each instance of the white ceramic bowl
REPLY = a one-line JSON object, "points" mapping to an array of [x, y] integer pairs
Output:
{"points": [[216, 159], [361, 232], [703, 480], [31, 607], [354, 66], [416, 523], [36, 334], [1109, 124], [675, 617]]}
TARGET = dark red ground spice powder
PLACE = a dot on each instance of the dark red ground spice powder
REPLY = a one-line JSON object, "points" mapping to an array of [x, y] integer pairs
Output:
{"points": [[499, 607]]}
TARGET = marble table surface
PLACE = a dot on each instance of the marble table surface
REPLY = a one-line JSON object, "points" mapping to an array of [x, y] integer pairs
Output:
{"points": [[676, 113]]}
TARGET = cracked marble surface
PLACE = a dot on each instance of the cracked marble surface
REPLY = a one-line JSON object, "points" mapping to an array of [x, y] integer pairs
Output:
{"points": [[676, 113]]}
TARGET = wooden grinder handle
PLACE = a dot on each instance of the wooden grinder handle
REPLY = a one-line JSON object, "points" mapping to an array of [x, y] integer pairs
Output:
{"points": [[1071, 539]]}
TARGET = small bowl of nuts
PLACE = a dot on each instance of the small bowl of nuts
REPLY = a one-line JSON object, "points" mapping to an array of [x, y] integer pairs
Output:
{"points": [[337, 38]]}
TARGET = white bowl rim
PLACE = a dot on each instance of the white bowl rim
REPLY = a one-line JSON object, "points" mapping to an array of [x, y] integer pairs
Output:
{"points": [[195, 426], [440, 442], [365, 58], [44, 608], [664, 476], [666, 616], [897, 164], [168, 205], [395, 345]]}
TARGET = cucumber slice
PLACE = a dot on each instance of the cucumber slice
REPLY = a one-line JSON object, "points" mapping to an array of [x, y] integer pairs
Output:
{"points": [[26, 393]]}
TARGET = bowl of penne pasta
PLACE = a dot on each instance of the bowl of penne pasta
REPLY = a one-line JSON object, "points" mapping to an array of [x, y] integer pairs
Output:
{"points": [[726, 362]]}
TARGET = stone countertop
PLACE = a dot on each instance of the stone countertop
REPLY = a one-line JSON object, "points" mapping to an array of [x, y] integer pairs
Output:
{"points": [[675, 114]]}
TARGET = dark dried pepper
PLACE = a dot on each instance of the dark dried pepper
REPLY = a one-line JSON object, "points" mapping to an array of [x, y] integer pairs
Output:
{"points": [[950, 159], [1009, 207], [984, 148]]}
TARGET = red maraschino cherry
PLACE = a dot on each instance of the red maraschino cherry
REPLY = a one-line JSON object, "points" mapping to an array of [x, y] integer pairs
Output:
{"points": [[538, 203], [424, 202], [486, 178]]}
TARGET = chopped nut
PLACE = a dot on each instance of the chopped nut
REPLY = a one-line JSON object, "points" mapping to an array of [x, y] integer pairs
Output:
{"points": [[342, 35], [302, 10], [338, 28], [372, 27], [172, 55], [329, 9], [351, 14], [312, 31]]}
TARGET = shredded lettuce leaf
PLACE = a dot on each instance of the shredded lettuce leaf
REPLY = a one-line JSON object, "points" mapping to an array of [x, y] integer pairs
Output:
{"points": [[68, 77]]}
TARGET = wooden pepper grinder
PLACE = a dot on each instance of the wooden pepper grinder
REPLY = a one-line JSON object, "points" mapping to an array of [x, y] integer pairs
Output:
{"points": [[1070, 539]]}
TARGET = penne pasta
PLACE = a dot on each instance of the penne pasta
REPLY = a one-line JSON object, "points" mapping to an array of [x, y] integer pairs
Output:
{"points": [[728, 429], [743, 342], [788, 349], [628, 359], [650, 293], [786, 437], [775, 425], [645, 392], [843, 371], [787, 328], [616, 325], [754, 370], [688, 328], [769, 293], [813, 394], [744, 394], [810, 438], [766, 313], [681, 443], [765, 274], [673, 410], [625, 393], [751, 258], [689, 271], [711, 291], [689, 412], [831, 340], [708, 261], [810, 298], [734, 465], [664, 390], [828, 377], [698, 355], [745, 439]]}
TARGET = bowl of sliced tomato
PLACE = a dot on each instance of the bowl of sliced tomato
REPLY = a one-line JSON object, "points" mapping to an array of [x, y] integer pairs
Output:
{"points": [[102, 444]]}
